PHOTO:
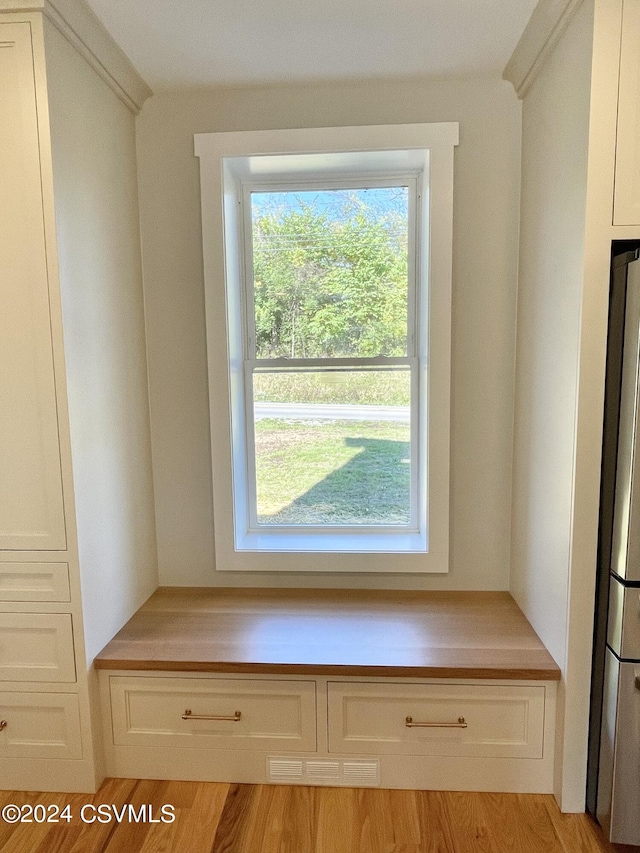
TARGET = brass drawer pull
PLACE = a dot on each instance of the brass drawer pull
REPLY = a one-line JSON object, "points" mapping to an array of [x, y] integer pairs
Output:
{"points": [[409, 723], [3, 725], [189, 716]]}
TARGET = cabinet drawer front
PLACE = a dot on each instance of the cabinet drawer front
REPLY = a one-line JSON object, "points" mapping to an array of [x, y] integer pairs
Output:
{"points": [[40, 725], [34, 582], [36, 647], [273, 714], [501, 721]]}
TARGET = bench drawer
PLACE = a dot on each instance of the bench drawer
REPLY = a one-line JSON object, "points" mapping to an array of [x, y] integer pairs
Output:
{"points": [[463, 720], [271, 714], [36, 647], [39, 725]]}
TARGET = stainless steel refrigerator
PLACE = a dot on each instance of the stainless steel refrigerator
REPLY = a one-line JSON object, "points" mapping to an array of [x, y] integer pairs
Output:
{"points": [[613, 792]]}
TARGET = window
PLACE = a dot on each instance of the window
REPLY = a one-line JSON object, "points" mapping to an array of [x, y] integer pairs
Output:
{"points": [[328, 285]]}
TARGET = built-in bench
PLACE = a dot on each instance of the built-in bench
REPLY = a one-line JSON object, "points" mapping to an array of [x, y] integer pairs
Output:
{"points": [[398, 688]]}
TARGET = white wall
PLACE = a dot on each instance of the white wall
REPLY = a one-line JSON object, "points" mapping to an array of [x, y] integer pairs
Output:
{"points": [[484, 267], [547, 579], [555, 127], [101, 286]]}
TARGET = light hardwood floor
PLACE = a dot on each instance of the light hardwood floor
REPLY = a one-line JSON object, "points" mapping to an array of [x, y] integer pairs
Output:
{"points": [[216, 818]]}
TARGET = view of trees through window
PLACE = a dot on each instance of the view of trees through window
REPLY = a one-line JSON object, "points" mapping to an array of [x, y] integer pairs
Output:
{"points": [[331, 281], [330, 272]]}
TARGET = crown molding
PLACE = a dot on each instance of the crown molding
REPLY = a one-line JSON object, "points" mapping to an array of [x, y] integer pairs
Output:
{"points": [[85, 32], [548, 22]]}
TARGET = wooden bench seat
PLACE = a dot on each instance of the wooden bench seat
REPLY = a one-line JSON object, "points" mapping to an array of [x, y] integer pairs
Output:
{"points": [[391, 634]]}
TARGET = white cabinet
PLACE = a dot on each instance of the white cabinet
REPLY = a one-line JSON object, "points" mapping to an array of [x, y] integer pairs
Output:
{"points": [[315, 731], [626, 207], [31, 503], [69, 269]]}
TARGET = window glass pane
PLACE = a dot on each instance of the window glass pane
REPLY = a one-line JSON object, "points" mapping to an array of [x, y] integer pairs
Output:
{"points": [[330, 272], [333, 447]]}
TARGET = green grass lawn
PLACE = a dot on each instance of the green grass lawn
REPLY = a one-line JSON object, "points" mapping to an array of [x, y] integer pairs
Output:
{"points": [[353, 387], [332, 472]]}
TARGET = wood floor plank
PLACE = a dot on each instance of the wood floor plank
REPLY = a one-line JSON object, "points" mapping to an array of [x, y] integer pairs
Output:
{"points": [[218, 818], [388, 820], [199, 807], [336, 821], [26, 837], [521, 827], [580, 832], [130, 835], [435, 828], [236, 821], [469, 824]]}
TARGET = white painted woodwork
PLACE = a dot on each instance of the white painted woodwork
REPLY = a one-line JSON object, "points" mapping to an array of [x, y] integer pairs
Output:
{"points": [[544, 30], [39, 725], [354, 773], [74, 427], [274, 714], [142, 704], [36, 647], [31, 501], [225, 158], [34, 582], [502, 722], [626, 205]]}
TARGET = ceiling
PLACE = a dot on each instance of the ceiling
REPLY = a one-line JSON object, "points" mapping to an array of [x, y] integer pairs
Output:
{"points": [[199, 43]]}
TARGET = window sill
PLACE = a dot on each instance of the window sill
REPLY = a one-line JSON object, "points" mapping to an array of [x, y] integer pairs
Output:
{"points": [[333, 542]]}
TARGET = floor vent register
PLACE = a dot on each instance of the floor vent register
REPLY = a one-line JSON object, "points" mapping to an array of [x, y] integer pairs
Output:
{"points": [[318, 772]]}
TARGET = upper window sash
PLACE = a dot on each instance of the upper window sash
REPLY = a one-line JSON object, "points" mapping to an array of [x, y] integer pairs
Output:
{"points": [[412, 180]]}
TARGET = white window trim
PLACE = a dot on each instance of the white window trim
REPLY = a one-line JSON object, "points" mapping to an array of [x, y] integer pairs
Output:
{"points": [[325, 551]]}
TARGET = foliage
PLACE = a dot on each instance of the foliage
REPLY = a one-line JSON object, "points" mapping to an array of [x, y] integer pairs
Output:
{"points": [[330, 285]]}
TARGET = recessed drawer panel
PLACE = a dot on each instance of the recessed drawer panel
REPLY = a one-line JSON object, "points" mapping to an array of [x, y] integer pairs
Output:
{"points": [[34, 582], [437, 719], [220, 713], [39, 725], [36, 647]]}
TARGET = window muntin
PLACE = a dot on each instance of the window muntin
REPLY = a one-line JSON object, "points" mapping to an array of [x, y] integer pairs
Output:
{"points": [[330, 353]]}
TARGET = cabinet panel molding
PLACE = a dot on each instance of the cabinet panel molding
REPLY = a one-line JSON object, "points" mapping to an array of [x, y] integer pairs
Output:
{"points": [[40, 725], [34, 582], [36, 647], [201, 713], [437, 719], [31, 499]]}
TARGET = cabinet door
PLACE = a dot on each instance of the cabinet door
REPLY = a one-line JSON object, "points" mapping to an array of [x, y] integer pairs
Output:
{"points": [[626, 205], [31, 507]]}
